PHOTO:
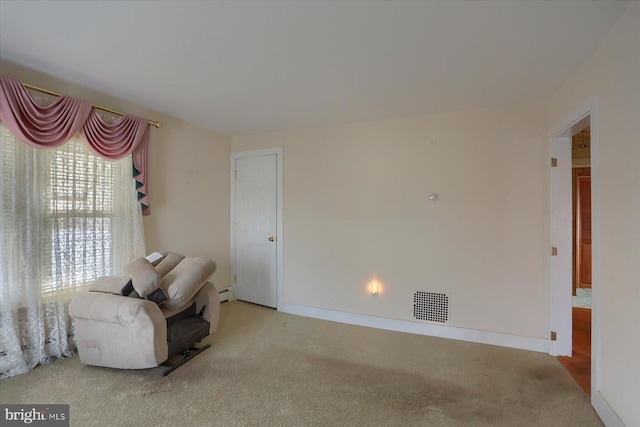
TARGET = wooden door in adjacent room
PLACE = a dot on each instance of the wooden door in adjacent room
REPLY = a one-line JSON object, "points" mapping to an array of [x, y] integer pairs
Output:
{"points": [[582, 186]]}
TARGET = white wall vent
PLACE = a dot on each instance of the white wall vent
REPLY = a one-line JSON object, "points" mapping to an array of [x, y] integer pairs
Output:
{"points": [[431, 306]]}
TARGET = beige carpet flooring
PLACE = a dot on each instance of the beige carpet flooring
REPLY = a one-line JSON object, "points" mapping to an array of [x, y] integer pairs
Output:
{"points": [[274, 369]]}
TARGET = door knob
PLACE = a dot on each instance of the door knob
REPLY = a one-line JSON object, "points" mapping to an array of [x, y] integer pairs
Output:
{"points": [[272, 239]]}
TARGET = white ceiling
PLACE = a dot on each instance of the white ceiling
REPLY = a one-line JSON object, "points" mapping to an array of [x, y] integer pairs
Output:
{"points": [[253, 66]]}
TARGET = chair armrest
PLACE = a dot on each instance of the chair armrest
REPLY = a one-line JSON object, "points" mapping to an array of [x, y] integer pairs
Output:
{"points": [[113, 308], [119, 332], [208, 296]]}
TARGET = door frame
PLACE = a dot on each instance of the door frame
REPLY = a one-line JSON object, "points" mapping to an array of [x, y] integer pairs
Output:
{"points": [[278, 152], [561, 277], [560, 309]]}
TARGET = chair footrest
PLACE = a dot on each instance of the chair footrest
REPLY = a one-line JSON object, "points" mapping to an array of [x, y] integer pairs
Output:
{"points": [[186, 356], [183, 334]]}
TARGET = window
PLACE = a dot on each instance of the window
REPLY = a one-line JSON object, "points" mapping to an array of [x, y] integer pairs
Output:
{"points": [[65, 212], [80, 194]]}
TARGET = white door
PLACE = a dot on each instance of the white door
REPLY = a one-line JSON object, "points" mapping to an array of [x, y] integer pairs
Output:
{"points": [[254, 228]]}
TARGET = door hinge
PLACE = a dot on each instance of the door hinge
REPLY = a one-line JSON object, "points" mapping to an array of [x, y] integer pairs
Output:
{"points": [[235, 174], [554, 251], [235, 279], [553, 336], [554, 162]]}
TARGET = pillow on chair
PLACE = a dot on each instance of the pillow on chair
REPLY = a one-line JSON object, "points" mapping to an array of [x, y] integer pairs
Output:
{"points": [[112, 285], [185, 280], [145, 280], [168, 263]]}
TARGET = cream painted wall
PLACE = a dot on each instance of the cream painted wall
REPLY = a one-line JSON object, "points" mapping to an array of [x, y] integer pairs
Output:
{"points": [[612, 75], [188, 181], [356, 208]]}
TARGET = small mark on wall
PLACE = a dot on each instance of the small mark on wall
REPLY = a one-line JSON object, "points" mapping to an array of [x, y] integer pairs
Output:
{"points": [[192, 177]]}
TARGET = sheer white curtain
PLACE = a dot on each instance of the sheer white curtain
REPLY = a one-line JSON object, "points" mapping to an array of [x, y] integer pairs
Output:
{"points": [[66, 218]]}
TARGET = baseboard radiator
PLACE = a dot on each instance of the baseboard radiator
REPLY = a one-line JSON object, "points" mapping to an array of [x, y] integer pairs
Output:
{"points": [[225, 294]]}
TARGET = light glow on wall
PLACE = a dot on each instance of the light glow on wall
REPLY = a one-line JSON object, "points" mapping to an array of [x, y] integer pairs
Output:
{"points": [[375, 288]]}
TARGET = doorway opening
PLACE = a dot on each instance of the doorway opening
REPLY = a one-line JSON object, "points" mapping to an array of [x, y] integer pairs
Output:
{"points": [[579, 364]]}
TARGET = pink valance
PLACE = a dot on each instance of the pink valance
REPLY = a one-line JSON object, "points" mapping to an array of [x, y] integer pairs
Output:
{"points": [[118, 139], [52, 126]]}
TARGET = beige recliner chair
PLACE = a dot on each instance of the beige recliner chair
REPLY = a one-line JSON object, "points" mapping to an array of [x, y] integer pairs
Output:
{"points": [[154, 311]]}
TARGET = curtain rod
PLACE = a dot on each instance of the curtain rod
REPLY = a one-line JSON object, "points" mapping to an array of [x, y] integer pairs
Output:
{"points": [[108, 110]]}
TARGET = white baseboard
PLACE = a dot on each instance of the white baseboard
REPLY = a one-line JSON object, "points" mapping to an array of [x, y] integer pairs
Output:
{"points": [[441, 331], [605, 411]]}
